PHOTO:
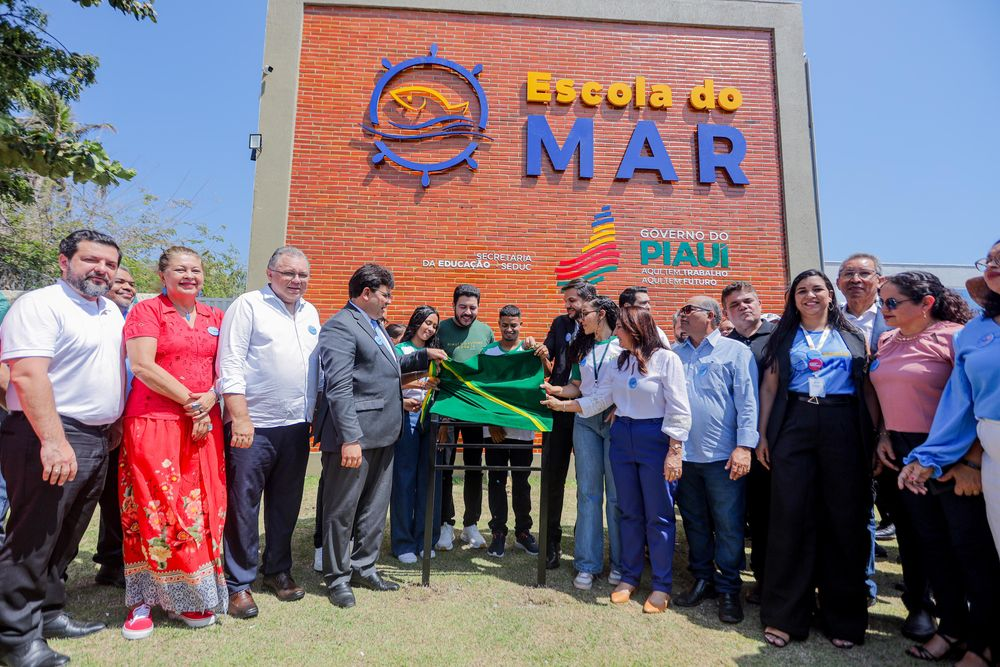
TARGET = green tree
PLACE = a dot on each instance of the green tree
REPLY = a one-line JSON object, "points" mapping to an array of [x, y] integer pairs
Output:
{"points": [[142, 225], [35, 68]]}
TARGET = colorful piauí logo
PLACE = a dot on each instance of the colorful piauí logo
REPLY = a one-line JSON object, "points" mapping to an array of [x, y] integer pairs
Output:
{"points": [[598, 257], [427, 115]]}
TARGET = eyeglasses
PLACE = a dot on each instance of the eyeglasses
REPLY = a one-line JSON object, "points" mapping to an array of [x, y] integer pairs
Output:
{"points": [[385, 295], [987, 262], [688, 309], [863, 275], [292, 275], [892, 303], [584, 313]]}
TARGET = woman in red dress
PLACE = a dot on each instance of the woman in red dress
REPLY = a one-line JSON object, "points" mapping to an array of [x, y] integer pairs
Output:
{"points": [[172, 478]]}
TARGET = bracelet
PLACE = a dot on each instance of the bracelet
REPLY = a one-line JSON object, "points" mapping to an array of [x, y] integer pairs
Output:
{"points": [[974, 466]]}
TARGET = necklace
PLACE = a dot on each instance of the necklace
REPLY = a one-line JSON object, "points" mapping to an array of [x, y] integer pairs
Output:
{"points": [[185, 314]]}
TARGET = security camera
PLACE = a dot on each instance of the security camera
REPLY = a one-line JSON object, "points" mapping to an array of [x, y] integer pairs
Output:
{"points": [[268, 69]]}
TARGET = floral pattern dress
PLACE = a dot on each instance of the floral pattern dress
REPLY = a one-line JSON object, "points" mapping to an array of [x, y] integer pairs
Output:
{"points": [[173, 489]]}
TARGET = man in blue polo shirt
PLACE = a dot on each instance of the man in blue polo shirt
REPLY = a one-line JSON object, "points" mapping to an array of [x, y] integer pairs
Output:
{"points": [[722, 384]]}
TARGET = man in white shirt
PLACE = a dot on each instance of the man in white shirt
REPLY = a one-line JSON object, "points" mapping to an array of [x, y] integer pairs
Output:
{"points": [[63, 345], [267, 368]]}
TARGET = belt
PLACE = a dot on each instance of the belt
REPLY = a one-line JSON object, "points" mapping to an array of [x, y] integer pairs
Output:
{"points": [[835, 399], [635, 420], [75, 423]]}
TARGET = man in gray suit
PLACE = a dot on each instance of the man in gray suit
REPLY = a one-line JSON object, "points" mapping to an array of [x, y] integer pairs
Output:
{"points": [[364, 419]]}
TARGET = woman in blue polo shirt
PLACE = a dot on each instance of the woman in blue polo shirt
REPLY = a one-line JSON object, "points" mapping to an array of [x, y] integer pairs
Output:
{"points": [[817, 439]]}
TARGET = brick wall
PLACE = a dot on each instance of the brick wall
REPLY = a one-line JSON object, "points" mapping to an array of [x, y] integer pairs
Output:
{"points": [[344, 210]]}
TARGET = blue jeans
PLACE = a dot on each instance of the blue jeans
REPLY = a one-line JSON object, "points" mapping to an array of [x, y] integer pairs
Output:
{"points": [[595, 486], [408, 502], [870, 572], [645, 500], [713, 508]]}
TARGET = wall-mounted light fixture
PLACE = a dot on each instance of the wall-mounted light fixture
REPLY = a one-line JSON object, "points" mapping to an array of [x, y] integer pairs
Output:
{"points": [[256, 146]]}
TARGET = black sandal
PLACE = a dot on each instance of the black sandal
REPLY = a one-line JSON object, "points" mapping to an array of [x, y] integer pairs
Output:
{"points": [[920, 652]]}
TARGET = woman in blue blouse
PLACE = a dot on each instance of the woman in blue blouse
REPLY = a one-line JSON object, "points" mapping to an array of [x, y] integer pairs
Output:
{"points": [[970, 405], [817, 439]]}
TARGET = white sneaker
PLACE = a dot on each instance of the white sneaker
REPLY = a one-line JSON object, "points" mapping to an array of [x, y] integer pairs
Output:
{"points": [[409, 558], [472, 536], [584, 581], [433, 555], [318, 560], [447, 540], [614, 577]]}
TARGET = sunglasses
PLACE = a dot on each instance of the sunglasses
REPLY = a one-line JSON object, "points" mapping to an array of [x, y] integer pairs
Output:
{"points": [[892, 303], [688, 309]]}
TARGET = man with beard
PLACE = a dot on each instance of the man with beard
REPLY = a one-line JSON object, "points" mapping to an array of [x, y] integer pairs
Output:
{"points": [[742, 307], [557, 445], [109, 536], [463, 337], [63, 344]]}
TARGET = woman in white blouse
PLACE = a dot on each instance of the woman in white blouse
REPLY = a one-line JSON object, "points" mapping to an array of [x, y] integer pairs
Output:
{"points": [[652, 419]]}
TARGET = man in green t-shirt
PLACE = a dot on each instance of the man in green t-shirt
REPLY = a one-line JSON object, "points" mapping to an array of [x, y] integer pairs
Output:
{"points": [[464, 337], [519, 456]]}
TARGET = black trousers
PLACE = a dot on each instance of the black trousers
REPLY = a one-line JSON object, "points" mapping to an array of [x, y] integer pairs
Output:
{"points": [[820, 505], [520, 489], [911, 555], [952, 537], [472, 491], [557, 446], [45, 526], [109, 535], [758, 515]]}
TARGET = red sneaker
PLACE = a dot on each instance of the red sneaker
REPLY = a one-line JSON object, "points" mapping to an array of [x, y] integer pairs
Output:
{"points": [[195, 619], [138, 624]]}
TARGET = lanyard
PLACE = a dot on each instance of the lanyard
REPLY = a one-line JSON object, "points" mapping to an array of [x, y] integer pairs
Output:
{"points": [[593, 355], [822, 339]]}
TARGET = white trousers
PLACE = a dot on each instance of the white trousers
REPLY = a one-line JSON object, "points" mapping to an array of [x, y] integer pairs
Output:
{"points": [[989, 436]]}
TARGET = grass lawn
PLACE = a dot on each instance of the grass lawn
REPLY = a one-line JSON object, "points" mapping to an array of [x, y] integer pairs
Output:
{"points": [[478, 610]]}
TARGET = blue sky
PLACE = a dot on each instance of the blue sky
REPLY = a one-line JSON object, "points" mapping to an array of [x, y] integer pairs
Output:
{"points": [[905, 94]]}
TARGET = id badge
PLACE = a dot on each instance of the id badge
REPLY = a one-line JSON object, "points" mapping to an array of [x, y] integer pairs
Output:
{"points": [[817, 387]]}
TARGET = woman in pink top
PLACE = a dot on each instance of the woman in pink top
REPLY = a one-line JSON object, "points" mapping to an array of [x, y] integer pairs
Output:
{"points": [[943, 536]]}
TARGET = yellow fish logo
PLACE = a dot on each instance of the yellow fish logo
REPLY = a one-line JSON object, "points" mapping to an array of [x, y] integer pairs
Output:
{"points": [[405, 96]]}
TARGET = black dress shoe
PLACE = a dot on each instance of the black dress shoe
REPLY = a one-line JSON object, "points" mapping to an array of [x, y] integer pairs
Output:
{"points": [[34, 654], [730, 609], [64, 627], [109, 575], [341, 596], [701, 591], [373, 581], [552, 559], [919, 626]]}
